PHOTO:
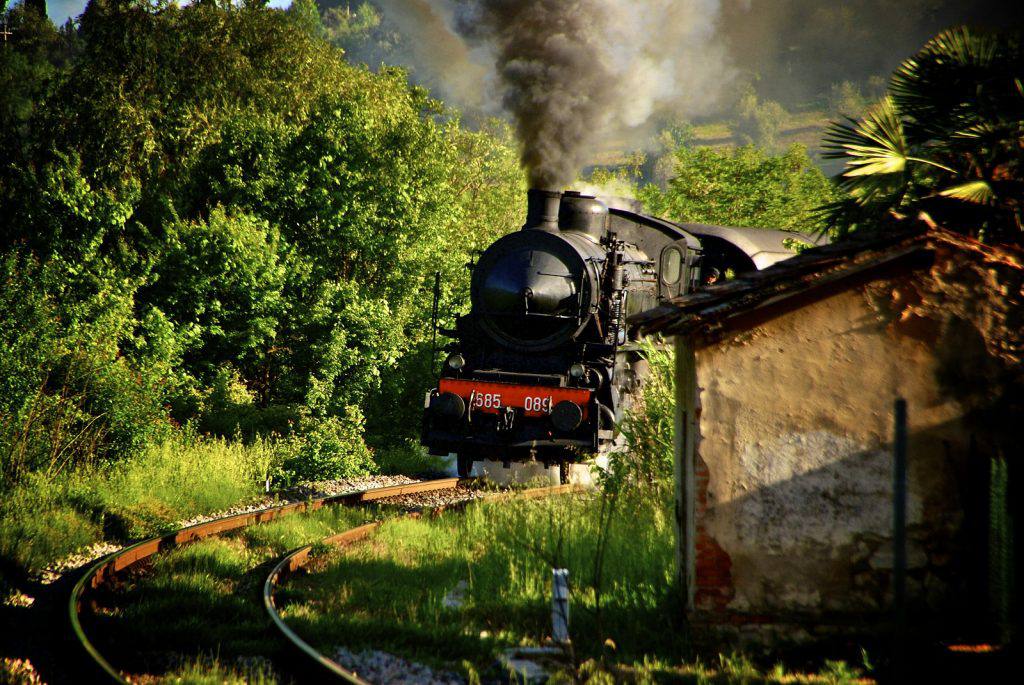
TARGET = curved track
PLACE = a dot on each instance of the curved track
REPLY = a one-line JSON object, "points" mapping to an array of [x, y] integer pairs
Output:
{"points": [[107, 567], [317, 665], [308, 660]]}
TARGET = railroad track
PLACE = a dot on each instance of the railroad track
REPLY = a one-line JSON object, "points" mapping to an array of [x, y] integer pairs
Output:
{"points": [[306, 659], [316, 665]]}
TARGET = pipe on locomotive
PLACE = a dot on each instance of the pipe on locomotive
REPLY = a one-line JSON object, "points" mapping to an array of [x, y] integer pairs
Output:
{"points": [[542, 209]]}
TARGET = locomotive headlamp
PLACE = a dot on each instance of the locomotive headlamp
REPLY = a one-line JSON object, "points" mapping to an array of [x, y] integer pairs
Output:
{"points": [[455, 361], [448, 405], [567, 416], [577, 371]]}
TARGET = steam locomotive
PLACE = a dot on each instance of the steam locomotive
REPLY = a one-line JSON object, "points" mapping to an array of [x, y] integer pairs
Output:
{"points": [[545, 363]]}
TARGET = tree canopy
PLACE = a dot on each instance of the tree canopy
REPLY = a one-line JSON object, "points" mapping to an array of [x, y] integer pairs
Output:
{"points": [[250, 211], [745, 186], [948, 139]]}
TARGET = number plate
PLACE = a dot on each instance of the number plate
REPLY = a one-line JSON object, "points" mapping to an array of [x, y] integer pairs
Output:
{"points": [[534, 400]]}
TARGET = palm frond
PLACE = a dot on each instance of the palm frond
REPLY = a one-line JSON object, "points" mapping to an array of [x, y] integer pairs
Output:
{"points": [[843, 217], [875, 150], [961, 77], [873, 145], [977, 192]]}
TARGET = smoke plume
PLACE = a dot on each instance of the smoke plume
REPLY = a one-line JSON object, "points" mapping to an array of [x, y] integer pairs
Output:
{"points": [[436, 55], [575, 72]]}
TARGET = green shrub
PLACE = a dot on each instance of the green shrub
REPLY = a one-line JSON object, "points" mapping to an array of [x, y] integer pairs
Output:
{"points": [[409, 458], [220, 281], [325, 448], [69, 395], [648, 427], [229, 409]]}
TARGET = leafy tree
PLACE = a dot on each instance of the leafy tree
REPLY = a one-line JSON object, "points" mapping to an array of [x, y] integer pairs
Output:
{"points": [[845, 99], [269, 216], [306, 16], [490, 189], [946, 140], [31, 60], [350, 29], [742, 187], [221, 281], [758, 123], [68, 394]]}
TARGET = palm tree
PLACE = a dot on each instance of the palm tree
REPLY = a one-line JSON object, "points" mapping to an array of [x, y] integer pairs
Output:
{"points": [[948, 140]]}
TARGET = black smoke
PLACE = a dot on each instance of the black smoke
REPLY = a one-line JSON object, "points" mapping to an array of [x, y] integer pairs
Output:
{"points": [[557, 87]]}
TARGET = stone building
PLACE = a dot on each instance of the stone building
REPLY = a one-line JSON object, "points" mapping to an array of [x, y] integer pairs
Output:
{"points": [[786, 381]]}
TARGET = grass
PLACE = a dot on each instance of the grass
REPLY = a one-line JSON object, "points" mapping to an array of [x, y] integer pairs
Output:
{"points": [[202, 603], [43, 519], [389, 593], [211, 671]]}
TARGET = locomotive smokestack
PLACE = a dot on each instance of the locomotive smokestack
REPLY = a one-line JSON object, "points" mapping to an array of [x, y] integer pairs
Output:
{"points": [[542, 209]]}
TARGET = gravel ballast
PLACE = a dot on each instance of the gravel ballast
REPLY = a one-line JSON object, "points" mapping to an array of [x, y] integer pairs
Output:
{"points": [[380, 667]]}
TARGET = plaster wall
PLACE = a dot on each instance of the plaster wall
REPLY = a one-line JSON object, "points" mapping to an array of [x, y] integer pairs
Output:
{"points": [[794, 471]]}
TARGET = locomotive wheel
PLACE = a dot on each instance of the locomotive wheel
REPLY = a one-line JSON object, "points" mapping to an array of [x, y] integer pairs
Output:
{"points": [[563, 472], [464, 462]]}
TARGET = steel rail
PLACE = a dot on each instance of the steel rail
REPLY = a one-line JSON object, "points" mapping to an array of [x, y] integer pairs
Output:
{"points": [[105, 568], [298, 558]]}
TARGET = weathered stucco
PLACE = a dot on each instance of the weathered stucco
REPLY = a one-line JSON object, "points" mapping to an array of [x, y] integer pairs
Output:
{"points": [[795, 437]]}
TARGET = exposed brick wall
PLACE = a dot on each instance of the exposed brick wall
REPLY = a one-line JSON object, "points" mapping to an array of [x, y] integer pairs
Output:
{"points": [[714, 567]]}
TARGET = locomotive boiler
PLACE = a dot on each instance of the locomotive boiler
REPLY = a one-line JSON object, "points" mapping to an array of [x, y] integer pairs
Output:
{"points": [[545, 364]]}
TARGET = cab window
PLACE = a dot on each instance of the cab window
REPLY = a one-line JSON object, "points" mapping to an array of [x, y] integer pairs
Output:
{"points": [[671, 266]]}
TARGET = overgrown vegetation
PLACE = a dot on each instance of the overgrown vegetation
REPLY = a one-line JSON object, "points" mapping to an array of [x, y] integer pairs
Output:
{"points": [[216, 225], [647, 463], [221, 221], [44, 518], [389, 594], [202, 603], [455, 591]]}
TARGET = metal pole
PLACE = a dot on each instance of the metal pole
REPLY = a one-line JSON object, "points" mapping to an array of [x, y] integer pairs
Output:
{"points": [[434, 319], [560, 605], [685, 447], [899, 518]]}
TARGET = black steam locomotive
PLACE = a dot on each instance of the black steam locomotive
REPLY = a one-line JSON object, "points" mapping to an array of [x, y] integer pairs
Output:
{"points": [[545, 364]]}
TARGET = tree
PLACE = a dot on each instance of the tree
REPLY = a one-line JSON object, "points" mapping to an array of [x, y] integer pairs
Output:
{"points": [[742, 187], [946, 140], [758, 123], [350, 29], [306, 16], [270, 217]]}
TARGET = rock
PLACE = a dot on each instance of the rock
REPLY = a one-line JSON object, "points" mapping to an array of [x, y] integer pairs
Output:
{"points": [[527, 664], [456, 596], [380, 667]]}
